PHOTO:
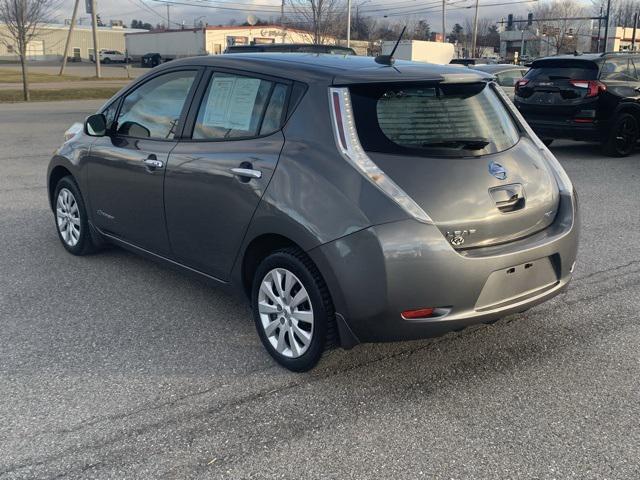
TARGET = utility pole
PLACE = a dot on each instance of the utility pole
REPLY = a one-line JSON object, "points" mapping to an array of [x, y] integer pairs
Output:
{"points": [[66, 45], [282, 14], [94, 25], [606, 26], [599, 30], [348, 23], [633, 37], [474, 40], [443, 24]]}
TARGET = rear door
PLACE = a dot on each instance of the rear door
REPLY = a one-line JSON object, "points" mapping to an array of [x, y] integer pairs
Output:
{"points": [[557, 89], [216, 177], [454, 149]]}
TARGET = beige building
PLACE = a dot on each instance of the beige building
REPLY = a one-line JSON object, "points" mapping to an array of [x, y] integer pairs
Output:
{"points": [[620, 40], [210, 40], [50, 40]]}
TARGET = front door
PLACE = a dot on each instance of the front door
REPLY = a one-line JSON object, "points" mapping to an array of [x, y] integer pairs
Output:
{"points": [[126, 169], [216, 178]]}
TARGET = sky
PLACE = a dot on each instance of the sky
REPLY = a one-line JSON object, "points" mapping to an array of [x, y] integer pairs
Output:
{"points": [[155, 12]]}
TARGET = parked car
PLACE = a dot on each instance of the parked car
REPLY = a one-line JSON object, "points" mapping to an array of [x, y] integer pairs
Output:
{"points": [[290, 48], [590, 97], [349, 201], [472, 61], [506, 75], [150, 60], [112, 56]]}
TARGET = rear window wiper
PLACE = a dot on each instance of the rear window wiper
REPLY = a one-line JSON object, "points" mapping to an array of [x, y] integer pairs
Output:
{"points": [[463, 143]]}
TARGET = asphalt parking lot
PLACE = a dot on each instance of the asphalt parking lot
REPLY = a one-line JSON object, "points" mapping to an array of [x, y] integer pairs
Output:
{"points": [[112, 366]]}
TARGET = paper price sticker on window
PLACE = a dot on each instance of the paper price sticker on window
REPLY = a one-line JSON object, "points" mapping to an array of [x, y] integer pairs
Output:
{"points": [[230, 102]]}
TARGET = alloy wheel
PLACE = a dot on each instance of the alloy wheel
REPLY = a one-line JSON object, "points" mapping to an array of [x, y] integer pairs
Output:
{"points": [[627, 135], [286, 312], [68, 217]]}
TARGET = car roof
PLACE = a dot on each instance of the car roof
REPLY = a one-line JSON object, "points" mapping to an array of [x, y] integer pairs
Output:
{"points": [[336, 69], [497, 67], [594, 57]]}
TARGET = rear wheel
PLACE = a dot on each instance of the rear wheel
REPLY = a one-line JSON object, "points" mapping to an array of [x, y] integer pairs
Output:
{"points": [[292, 309], [623, 136], [71, 218]]}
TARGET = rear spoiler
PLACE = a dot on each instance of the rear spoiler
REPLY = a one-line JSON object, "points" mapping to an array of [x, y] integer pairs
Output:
{"points": [[466, 77]]}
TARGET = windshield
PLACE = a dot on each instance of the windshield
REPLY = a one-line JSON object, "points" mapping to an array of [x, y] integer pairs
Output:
{"points": [[432, 119]]}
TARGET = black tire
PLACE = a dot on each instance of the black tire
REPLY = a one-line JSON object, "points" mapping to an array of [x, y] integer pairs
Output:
{"points": [[324, 327], [85, 243], [623, 136], [106, 60], [547, 141]]}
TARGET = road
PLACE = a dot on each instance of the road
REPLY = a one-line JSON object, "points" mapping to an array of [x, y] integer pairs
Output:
{"points": [[112, 366]]}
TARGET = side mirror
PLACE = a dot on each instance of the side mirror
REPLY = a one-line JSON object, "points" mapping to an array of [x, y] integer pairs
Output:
{"points": [[96, 125]]}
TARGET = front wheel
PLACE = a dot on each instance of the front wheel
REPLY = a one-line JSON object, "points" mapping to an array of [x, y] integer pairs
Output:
{"points": [[292, 309], [71, 218], [623, 136]]}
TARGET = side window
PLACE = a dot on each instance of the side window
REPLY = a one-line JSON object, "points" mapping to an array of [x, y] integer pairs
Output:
{"points": [[617, 69], [153, 109], [232, 107], [273, 116], [508, 78], [634, 66]]}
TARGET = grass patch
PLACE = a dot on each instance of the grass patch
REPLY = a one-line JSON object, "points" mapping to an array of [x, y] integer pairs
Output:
{"points": [[62, 94], [15, 76]]}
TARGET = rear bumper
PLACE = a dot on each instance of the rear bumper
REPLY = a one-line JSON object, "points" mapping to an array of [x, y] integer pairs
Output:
{"points": [[565, 129], [377, 273]]}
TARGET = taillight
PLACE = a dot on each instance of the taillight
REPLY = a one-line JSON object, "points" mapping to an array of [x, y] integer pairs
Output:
{"points": [[521, 83], [593, 87], [349, 145]]}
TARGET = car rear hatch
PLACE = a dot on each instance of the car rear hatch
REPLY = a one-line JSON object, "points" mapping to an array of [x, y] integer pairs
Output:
{"points": [[455, 150], [559, 90]]}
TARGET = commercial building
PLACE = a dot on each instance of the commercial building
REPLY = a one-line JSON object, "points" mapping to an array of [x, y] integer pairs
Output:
{"points": [[49, 42], [210, 40]]}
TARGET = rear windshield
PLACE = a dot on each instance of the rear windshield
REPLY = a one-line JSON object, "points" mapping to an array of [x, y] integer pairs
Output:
{"points": [[432, 119], [545, 71]]}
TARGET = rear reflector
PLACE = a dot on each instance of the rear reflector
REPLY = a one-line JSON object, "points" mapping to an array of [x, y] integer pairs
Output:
{"points": [[420, 313]]}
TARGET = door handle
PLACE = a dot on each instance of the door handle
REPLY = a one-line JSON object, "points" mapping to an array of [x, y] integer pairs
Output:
{"points": [[153, 162], [247, 172]]}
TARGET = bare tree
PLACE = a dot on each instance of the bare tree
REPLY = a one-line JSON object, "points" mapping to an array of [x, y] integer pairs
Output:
{"points": [[321, 17], [561, 35], [621, 11], [21, 19], [484, 25]]}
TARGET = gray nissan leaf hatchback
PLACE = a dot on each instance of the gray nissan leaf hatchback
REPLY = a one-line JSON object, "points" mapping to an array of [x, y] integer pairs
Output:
{"points": [[351, 201]]}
